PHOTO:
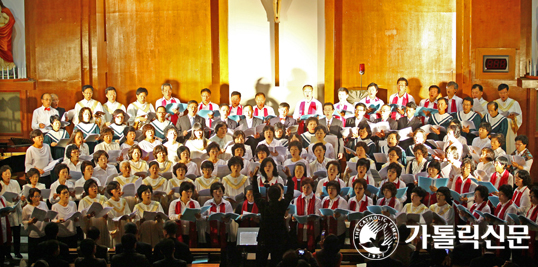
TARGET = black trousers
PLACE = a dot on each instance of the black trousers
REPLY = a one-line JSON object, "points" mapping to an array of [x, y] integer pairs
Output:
{"points": [[16, 233], [263, 251], [32, 249]]}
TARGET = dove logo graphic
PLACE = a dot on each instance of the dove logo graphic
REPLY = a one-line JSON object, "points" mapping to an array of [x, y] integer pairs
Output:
{"points": [[376, 237]]}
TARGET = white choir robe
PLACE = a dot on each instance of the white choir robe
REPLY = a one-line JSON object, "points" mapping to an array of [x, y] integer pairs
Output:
{"points": [[446, 212], [472, 186], [219, 162], [41, 115], [321, 184], [400, 101], [173, 215], [397, 203], [15, 218], [454, 100], [151, 232], [481, 143], [525, 199], [368, 177], [341, 221], [37, 229], [290, 161], [109, 109], [136, 109], [262, 111], [175, 182], [234, 186], [100, 223], [172, 151], [317, 206], [117, 130], [107, 146], [428, 104], [93, 104], [237, 110], [147, 146], [227, 209], [209, 106], [511, 106], [477, 206], [315, 165], [488, 167], [67, 228], [119, 208], [53, 200], [103, 174], [297, 113], [202, 183]]}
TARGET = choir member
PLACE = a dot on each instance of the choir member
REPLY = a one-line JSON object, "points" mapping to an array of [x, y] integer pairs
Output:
{"points": [[306, 137], [158, 184], [87, 174], [454, 102], [299, 173], [72, 158], [130, 140], [468, 115], [333, 123], [235, 183], [91, 188], [248, 206], [119, 207], [166, 90], [161, 123], [389, 197], [443, 207], [359, 202], [295, 148], [197, 141], [501, 176], [54, 136], [213, 151], [224, 117], [442, 119], [54, 104], [206, 104], [160, 153], [477, 92], [463, 183], [522, 141], [221, 137], [187, 123], [363, 166], [483, 136], [136, 161], [321, 161], [32, 180], [150, 230], [236, 108], [239, 138], [107, 143], [269, 173], [188, 232], [514, 115], [35, 228], [497, 143], [217, 232], [140, 111], [87, 102], [41, 115], [309, 105], [112, 105], [430, 102], [38, 154], [207, 179], [416, 206], [85, 125], [15, 218], [400, 98], [61, 171], [250, 121], [419, 137], [184, 154], [521, 196], [499, 124], [180, 170], [306, 204], [261, 109], [150, 141], [320, 132], [419, 163], [68, 225], [334, 224], [283, 110], [394, 170], [372, 103], [333, 174], [171, 143]]}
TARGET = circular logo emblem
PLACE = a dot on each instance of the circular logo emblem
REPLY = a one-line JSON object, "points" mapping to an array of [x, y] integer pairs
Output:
{"points": [[375, 236]]}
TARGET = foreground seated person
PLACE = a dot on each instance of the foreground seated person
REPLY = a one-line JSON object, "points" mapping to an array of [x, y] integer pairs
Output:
{"points": [[170, 260], [129, 258], [141, 247], [87, 251], [180, 250]]}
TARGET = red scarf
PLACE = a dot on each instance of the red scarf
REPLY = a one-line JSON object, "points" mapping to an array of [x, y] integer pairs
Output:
{"points": [[239, 110], [193, 235], [311, 108], [500, 211], [504, 178], [427, 104], [391, 204], [265, 112], [8, 228], [352, 207], [217, 228], [532, 234], [173, 118], [297, 183], [453, 108], [326, 182], [517, 196], [331, 221], [395, 101], [476, 207], [466, 186], [248, 222], [310, 224]]}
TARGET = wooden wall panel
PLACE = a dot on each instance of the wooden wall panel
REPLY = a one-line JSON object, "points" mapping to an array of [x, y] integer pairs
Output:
{"points": [[412, 39], [149, 43], [53, 48]]}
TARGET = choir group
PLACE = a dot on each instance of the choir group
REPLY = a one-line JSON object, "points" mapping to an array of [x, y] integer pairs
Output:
{"points": [[193, 163]]}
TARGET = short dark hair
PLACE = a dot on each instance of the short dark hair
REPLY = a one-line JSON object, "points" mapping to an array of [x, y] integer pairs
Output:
{"points": [[141, 90], [343, 89], [181, 149], [422, 148], [285, 105], [470, 162], [446, 192], [434, 87], [485, 125], [259, 94], [269, 128], [503, 86], [128, 241], [170, 227], [158, 149], [363, 145], [525, 176], [328, 104], [274, 192], [93, 233], [435, 164], [494, 104], [111, 186], [363, 162], [336, 185], [264, 163], [32, 192], [207, 165], [4, 168], [360, 105], [334, 163], [35, 133], [480, 87], [296, 144], [394, 133], [507, 190], [442, 99], [85, 164], [499, 137], [372, 84], [192, 102], [88, 184], [87, 86], [523, 139], [483, 191], [262, 148], [212, 146], [412, 105], [216, 186], [396, 167], [130, 228], [205, 90], [306, 181], [235, 161], [97, 154], [178, 166], [390, 186], [220, 125], [403, 79], [186, 186], [397, 150], [234, 93], [469, 99], [490, 154], [420, 192], [70, 149], [51, 230], [110, 88], [167, 245], [61, 188], [316, 145], [238, 146], [143, 188], [164, 85], [54, 118]]}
